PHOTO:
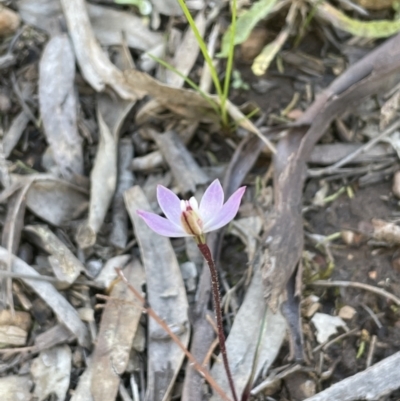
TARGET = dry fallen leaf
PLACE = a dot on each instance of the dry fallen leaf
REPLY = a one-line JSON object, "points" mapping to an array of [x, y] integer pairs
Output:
{"points": [[56, 201], [118, 326], [15, 388], [64, 311], [94, 63], [167, 296], [103, 182], [66, 266], [12, 136], [184, 168], [58, 105], [51, 372]]}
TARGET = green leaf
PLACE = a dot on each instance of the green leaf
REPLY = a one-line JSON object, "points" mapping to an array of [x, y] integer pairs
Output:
{"points": [[245, 24]]}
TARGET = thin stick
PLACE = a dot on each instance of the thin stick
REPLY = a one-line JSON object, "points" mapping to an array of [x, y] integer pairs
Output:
{"points": [[364, 148], [204, 372], [367, 287], [205, 250]]}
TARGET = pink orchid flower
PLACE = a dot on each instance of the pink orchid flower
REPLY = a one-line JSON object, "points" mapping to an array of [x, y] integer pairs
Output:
{"points": [[187, 218]]}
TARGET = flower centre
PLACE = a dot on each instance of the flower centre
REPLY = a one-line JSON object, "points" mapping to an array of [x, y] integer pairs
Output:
{"points": [[191, 221]]}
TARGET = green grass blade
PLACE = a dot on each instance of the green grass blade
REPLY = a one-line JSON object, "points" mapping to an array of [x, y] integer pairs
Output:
{"points": [[229, 63], [203, 47]]}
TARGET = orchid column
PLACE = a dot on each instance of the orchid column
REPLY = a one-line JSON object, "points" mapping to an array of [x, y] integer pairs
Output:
{"points": [[188, 219]]}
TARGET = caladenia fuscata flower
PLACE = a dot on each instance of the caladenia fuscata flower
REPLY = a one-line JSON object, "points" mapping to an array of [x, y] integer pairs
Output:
{"points": [[189, 219]]}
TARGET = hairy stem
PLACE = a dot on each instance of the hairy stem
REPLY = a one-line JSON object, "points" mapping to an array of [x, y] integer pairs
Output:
{"points": [[205, 250]]}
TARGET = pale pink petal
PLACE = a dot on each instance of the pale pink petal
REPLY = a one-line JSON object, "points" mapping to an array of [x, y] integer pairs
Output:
{"points": [[211, 202], [170, 204], [161, 225], [227, 212]]}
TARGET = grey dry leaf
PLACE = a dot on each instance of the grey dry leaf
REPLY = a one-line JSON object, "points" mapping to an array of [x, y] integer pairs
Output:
{"points": [[184, 168], [241, 343], [108, 24], [118, 326], [64, 311], [166, 295], [12, 136], [167, 7], [55, 201], [103, 180], [94, 63], [51, 372], [66, 266], [111, 113], [125, 179], [112, 27], [15, 388], [148, 162], [58, 106], [108, 273]]}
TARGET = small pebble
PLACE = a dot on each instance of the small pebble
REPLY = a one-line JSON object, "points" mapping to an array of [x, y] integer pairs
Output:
{"points": [[347, 312]]}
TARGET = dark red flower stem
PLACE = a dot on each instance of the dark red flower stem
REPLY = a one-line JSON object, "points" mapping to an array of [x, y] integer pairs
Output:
{"points": [[205, 250]]}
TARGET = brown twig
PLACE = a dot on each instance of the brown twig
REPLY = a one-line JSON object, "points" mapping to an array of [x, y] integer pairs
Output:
{"points": [[367, 287], [204, 372], [205, 250]]}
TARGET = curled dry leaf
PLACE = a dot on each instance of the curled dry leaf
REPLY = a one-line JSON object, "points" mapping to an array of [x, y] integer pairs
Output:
{"points": [[166, 295], [94, 64], [184, 168], [103, 180], [66, 266], [51, 372], [65, 313], [58, 106], [118, 326]]}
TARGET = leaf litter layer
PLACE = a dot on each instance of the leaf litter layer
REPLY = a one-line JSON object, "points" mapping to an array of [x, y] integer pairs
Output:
{"points": [[99, 105]]}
